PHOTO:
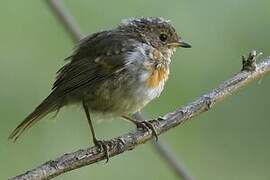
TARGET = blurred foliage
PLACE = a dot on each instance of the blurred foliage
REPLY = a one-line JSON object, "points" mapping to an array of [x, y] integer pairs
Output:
{"points": [[229, 142]]}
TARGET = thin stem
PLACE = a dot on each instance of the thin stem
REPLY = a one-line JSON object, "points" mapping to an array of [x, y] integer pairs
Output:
{"points": [[65, 19], [167, 155]]}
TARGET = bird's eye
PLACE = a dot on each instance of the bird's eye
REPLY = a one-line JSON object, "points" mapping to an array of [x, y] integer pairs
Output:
{"points": [[163, 37]]}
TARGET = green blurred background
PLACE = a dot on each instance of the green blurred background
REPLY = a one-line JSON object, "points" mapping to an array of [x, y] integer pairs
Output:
{"points": [[229, 142]]}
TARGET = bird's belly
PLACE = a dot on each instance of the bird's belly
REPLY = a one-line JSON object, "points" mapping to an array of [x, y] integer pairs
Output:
{"points": [[126, 97], [141, 97]]}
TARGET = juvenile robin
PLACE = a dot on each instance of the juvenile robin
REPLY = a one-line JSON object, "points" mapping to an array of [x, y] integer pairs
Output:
{"points": [[113, 73]]}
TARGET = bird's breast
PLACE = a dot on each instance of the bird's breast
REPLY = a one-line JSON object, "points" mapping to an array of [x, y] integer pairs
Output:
{"points": [[157, 76]]}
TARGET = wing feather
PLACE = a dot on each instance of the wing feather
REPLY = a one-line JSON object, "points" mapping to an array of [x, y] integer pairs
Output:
{"points": [[96, 58]]}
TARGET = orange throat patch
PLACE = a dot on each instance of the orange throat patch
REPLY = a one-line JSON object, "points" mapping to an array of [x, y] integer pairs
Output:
{"points": [[157, 75]]}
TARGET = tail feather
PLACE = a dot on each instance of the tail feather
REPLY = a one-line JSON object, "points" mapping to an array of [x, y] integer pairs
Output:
{"points": [[50, 104]]}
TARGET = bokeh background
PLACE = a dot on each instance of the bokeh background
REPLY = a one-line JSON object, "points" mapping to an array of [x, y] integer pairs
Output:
{"points": [[229, 142]]}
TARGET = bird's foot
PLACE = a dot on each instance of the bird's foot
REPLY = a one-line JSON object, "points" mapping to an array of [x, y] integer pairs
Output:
{"points": [[103, 146], [146, 125]]}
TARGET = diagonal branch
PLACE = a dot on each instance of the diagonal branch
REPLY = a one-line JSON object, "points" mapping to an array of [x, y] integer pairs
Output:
{"points": [[129, 141], [65, 19]]}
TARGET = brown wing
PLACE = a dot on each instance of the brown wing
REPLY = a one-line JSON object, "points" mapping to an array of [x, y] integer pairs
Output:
{"points": [[97, 57]]}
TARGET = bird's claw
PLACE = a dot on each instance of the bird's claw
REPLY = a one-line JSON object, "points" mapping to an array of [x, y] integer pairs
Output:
{"points": [[103, 146], [148, 126]]}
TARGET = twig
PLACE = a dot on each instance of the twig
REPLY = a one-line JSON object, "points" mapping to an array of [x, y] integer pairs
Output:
{"points": [[75, 33], [66, 19], [167, 155], [129, 141]]}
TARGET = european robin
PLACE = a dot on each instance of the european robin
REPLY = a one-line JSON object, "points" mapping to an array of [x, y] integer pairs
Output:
{"points": [[113, 72]]}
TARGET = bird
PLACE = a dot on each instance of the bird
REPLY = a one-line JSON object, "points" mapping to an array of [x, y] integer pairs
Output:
{"points": [[113, 73]]}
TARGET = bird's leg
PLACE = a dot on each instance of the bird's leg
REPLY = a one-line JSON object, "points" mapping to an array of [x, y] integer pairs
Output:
{"points": [[143, 124], [101, 144]]}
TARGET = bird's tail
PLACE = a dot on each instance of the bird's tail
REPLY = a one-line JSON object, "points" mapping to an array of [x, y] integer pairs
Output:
{"points": [[50, 104]]}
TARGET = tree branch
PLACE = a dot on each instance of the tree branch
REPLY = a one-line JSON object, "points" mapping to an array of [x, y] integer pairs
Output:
{"points": [[129, 141], [66, 19], [167, 155]]}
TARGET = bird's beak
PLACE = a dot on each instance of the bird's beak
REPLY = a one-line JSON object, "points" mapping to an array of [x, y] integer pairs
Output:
{"points": [[180, 43], [184, 44]]}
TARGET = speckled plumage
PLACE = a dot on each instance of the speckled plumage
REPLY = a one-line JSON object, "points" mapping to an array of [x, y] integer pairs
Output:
{"points": [[116, 72]]}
